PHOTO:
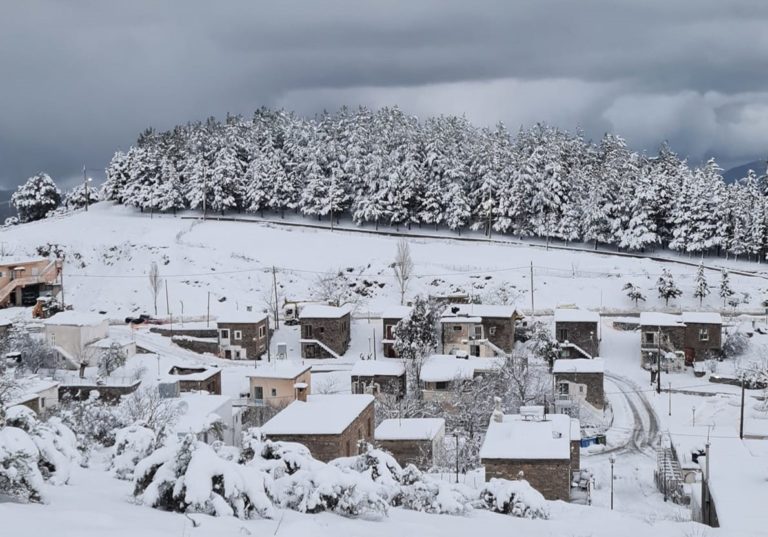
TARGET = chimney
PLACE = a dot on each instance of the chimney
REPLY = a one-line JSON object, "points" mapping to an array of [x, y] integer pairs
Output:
{"points": [[301, 392], [498, 415]]}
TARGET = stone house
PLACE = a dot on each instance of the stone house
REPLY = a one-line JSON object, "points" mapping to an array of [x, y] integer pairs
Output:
{"points": [[22, 281], [478, 329], [660, 331], [542, 449], [330, 426], [417, 441], [703, 335], [580, 380], [440, 372], [325, 331], [197, 379], [578, 332], [378, 377], [279, 383], [389, 319], [243, 335]]}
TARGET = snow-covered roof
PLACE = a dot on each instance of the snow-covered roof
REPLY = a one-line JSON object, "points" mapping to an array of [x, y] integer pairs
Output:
{"points": [[75, 318], [519, 439], [396, 312], [446, 367], [409, 429], [569, 315], [32, 387], [478, 310], [106, 342], [197, 376], [199, 411], [321, 414], [652, 318], [14, 261], [320, 311], [241, 317], [279, 369], [702, 317], [369, 368], [579, 365]]}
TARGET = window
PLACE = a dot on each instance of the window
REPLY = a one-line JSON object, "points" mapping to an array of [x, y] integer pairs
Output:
{"points": [[441, 385], [703, 334], [238, 335], [478, 331], [492, 331], [457, 328], [562, 334], [274, 392], [224, 333], [307, 331], [389, 331], [321, 330], [258, 393], [649, 337], [562, 388], [262, 331], [310, 350], [237, 354]]}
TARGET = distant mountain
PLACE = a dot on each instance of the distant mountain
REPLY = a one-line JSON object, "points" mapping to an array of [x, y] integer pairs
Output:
{"points": [[738, 172]]}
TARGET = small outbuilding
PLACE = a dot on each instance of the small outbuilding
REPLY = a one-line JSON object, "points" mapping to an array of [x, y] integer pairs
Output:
{"points": [[578, 332], [703, 335], [379, 377], [279, 383], [325, 330], [417, 441], [581, 380]]}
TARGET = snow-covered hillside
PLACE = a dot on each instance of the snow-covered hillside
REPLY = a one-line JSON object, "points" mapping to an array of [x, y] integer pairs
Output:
{"points": [[110, 249]]}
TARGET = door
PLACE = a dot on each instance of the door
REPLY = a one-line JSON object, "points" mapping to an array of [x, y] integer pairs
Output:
{"points": [[258, 394]]}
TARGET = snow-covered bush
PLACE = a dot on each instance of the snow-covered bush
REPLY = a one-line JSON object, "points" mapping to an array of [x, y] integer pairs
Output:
{"points": [[77, 197], [192, 478], [93, 421], [113, 358], [12, 221], [35, 198], [736, 343], [19, 475], [276, 458], [516, 498], [56, 443], [132, 444], [148, 406]]}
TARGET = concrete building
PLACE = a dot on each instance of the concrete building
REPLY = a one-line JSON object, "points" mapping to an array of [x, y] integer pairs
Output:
{"points": [[580, 380], [417, 441], [379, 377], [325, 331], [279, 383], [542, 449], [389, 319], [38, 394], [81, 338], [22, 281], [578, 332], [243, 335], [330, 426], [478, 329]]}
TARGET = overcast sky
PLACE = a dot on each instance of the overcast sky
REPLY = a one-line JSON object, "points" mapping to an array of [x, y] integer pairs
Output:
{"points": [[80, 79]]}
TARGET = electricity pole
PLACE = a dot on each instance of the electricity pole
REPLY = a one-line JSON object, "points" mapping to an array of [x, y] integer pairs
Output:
{"points": [[533, 309], [658, 361], [741, 417], [277, 305]]}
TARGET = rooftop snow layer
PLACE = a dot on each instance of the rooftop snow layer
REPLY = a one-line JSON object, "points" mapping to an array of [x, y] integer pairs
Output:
{"points": [[446, 367], [409, 429], [241, 317], [320, 311], [396, 312], [199, 411], [568, 315], [579, 365], [478, 310], [279, 369], [75, 318], [369, 368], [321, 414], [702, 317], [518, 439], [652, 318]]}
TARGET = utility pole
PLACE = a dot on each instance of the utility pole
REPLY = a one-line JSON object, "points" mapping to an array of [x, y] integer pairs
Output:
{"points": [[374, 343], [61, 274], [456, 434], [533, 309], [658, 361], [741, 417], [182, 313], [208, 312], [277, 306], [85, 187], [670, 398], [269, 341]]}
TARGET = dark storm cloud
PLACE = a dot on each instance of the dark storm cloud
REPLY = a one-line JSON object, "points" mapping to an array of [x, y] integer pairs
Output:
{"points": [[79, 79]]}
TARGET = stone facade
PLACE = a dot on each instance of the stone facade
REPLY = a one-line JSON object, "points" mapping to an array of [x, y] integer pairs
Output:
{"points": [[209, 333], [326, 447], [461, 335], [672, 339], [702, 340], [388, 384], [211, 384], [551, 477], [594, 392], [198, 345], [420, 453], [582, 334], [109, 394], [388, 327], [334, 333], [243, 340]]}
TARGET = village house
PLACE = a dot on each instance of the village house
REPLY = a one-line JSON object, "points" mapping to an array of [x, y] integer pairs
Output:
{"points": [[417, 441], [660, 332], [209, 418], [389, 319], [325, 331], [279, 383], [82, 338], [196, 379], [703, 335], [330, 426], [22, 281], [542, 449], [578, 333], [478, 329], [580, 380], [379, 377], [38, 394], [243, 335], [439, 372]]}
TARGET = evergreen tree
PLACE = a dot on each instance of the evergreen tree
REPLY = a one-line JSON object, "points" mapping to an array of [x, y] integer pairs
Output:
{"points": [[36, 198], [634, 293], [726, 291], [666, 286], [701, 288], [76, 198], [415, 340]]}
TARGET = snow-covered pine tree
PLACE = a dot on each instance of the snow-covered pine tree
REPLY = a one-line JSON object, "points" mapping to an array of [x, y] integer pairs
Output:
{"points": [[76, 198], [666, 286], [36, 197], [700, 286], [726, 291], [415, 339], [634, 293]]}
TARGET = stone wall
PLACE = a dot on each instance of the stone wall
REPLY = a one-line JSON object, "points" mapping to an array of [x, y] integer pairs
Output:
{"points": [[701, 349], [593, 381], [582, 334], [334, 333], [211, 385], [254, 337], [191, 332], [550, 477], [110, 394], [416, 452], [200, 346]]}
